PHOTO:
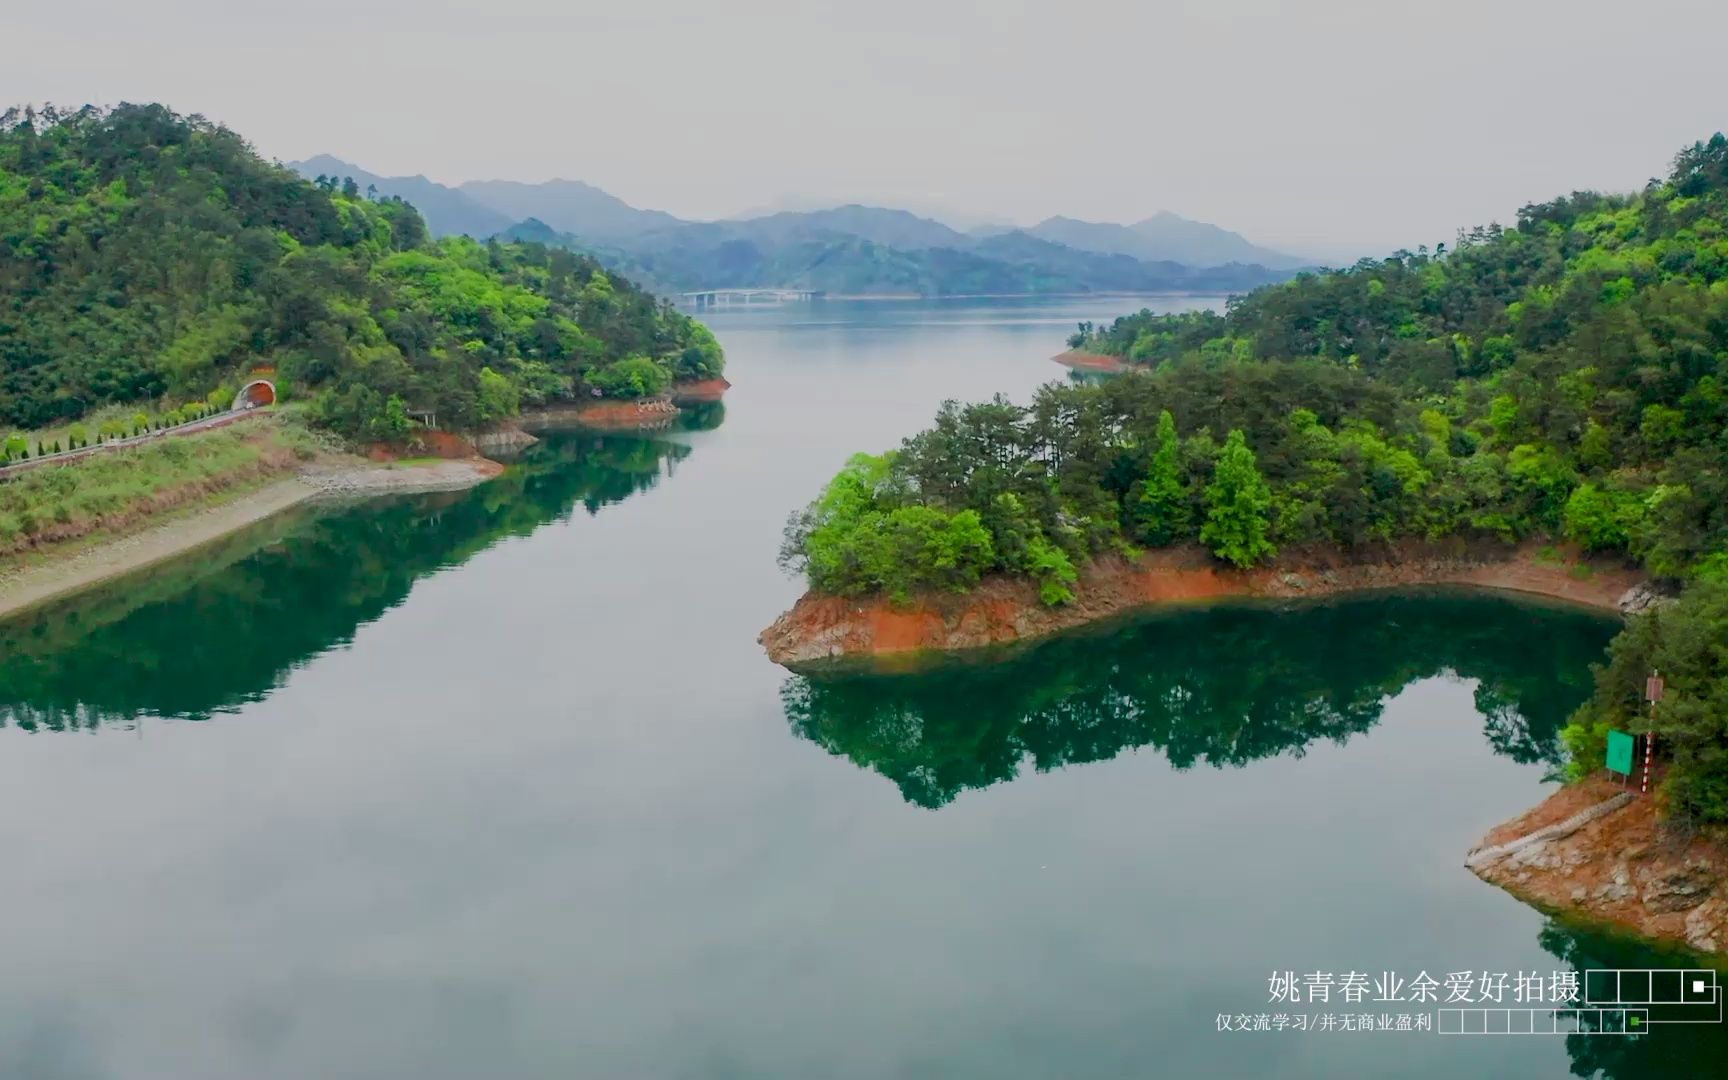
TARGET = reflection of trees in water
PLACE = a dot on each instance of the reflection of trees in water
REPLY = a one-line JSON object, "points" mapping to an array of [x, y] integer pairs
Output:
{"points": [[188, 641], [1668, 1051], [1223, 686], [701, 415]]}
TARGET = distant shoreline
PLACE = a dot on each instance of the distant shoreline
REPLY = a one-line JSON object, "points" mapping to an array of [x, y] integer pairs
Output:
{"points": [[973, 296]]}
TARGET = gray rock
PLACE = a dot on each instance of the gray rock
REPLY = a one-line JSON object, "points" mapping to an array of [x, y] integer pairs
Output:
{"points": [[1704, 923], [1539, 854], [1642, 597], [1613, 893], [1680, 890]]}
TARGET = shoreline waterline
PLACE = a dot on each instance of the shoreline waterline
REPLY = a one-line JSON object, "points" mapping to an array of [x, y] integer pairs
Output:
{"points": [[820, 629], [57, 575]]}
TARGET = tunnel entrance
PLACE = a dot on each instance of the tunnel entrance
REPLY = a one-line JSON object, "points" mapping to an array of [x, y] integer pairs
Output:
{"points": [[256, 394]]}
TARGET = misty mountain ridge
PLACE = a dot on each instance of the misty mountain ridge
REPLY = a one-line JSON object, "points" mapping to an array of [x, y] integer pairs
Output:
{"points": [[568, 205], [961, 221], [1166, 237], [894, 228], [852, 248], [447, 211]]}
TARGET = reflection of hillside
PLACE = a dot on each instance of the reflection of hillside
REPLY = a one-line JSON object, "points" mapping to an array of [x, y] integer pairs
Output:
{"points": [[1224, 686], [1668, 1051], [197, 637]]}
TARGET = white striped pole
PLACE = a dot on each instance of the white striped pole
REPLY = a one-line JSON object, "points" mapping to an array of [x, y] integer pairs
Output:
{"points": [[1652, 693]]}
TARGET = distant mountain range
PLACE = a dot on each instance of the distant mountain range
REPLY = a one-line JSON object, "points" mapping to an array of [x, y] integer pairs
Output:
{"points": [[959, 220], [568, 205], [1165, 236], [849, 250]]}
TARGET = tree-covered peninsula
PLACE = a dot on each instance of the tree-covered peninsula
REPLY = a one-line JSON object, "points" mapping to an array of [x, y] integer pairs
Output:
{"points": [[151, 257], [1564, 379]]}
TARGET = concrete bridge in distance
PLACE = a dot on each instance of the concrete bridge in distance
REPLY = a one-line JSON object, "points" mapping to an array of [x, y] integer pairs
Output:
{"points": [[727, 297]]}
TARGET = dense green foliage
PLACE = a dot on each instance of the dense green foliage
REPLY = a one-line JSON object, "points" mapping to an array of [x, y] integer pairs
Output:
{"points": [[145, 255], [1566, 379], [1688, 643], [1090, 469]]}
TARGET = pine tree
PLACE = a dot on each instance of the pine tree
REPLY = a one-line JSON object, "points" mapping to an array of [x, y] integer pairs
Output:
{"points": [[1237, 505]]}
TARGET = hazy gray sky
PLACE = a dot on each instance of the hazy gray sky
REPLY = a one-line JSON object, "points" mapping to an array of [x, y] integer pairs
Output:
{"points": [[1326, 127]]}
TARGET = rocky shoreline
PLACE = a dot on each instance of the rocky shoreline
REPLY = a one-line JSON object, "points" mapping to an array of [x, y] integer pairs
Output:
{"points": [[455, 474], [505, 438], [1597, 850], [1007, 611]]}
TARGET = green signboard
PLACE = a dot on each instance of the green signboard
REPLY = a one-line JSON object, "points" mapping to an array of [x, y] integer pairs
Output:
{"points": [[1620, 752]]}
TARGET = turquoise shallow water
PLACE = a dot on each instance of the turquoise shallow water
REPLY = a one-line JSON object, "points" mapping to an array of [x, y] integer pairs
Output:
{"points": [[499, 784]]}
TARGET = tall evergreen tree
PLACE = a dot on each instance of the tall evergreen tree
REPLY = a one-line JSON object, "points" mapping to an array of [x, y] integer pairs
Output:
{"points": [[1162, 510], [1237, 505]]}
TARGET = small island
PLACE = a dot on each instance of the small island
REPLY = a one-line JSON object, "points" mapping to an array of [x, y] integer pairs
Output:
{"points": [[1540, 408]]}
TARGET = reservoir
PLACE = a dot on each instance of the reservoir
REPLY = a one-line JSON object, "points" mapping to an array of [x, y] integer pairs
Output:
{"points": [[499, 784]]}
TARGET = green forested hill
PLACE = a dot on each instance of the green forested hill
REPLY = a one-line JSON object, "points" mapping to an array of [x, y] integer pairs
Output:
{"points": [[147, 255], [1565, 378]]}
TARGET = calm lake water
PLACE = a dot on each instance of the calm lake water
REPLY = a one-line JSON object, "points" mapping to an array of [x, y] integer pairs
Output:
{"points": [[499, 784]]}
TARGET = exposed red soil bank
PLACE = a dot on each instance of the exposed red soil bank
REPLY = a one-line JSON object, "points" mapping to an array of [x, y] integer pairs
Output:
{"points": [[1623, 868], [1086, 361], [1007, 610], [700, 389], [614, 414], [431, 442], [626, 415]]}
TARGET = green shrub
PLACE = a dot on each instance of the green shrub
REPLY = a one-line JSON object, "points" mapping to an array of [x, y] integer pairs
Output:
{"points": [[632, 377]]}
